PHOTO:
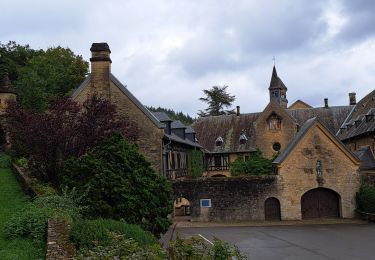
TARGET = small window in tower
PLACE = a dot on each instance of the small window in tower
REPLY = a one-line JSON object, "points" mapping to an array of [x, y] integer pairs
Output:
{"points": [[276, 146], [275, 93], [243, 138], [219, 141], [274, 122]]}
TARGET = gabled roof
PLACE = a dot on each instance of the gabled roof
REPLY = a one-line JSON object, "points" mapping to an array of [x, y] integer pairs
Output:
{"points": [[274, 108], [363, 107], [189, 130], [276, 82], [367, 158], [301, 134], [299, 104], [127, 93]]}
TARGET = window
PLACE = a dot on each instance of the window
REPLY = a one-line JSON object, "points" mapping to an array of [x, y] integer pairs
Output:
{"points": [[219, 141], [276, 146], [205, 203], [275, 93], [218, 161], [243, 138], [274, 122]]}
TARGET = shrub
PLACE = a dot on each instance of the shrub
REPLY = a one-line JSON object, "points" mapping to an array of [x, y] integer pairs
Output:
{"points": [[255, 165], [197, 248], [87, 233], [4, 160], [366, 199], [196, 163], [22, 162], [119, 183], [31, 221], [120, 247]]}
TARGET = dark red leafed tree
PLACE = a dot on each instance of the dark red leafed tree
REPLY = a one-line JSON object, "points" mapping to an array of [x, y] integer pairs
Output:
{"points": [[67, 129]]}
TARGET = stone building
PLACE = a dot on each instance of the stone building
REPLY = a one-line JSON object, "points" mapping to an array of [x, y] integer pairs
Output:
{"points": [[316, 175], [7, 92], [158, 141]]}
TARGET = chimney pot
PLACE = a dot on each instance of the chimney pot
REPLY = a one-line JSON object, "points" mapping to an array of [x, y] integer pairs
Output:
{"points": [[352, 98], [238, 110], [326, 103]]}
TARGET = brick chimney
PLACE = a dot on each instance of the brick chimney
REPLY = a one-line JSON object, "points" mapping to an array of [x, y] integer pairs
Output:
{"points": [[326, 103], [352, 99], [100, 68]]}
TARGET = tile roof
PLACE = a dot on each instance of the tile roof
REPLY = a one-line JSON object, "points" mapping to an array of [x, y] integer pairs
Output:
{"points": [[331, 117], [229, 127]]}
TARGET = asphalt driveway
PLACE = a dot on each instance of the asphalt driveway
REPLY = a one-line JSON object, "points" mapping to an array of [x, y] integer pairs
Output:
{"points": [[345, 241]]}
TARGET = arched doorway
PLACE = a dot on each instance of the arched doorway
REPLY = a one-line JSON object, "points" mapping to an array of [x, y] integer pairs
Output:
{"points": [[320, 203], [272, 209], [181, 207]]}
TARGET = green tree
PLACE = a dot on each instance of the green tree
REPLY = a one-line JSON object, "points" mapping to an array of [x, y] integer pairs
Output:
{"points": [[13, 56], [119, 183], [185, 119], [217, 99], [49, 74], [255, 165]]}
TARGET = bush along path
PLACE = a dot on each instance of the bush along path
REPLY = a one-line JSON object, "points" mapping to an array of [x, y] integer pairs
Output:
{"points": [[13, 200]]}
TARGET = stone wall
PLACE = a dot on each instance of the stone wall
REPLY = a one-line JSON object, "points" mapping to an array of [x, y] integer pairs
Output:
{"points": [[298, 173], [233, 199], [58, 244], [368, 178]]}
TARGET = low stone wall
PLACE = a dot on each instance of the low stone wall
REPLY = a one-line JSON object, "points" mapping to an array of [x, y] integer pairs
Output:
{"points": [[58, 244], [368, 178], [232, 199], [25, 180]]}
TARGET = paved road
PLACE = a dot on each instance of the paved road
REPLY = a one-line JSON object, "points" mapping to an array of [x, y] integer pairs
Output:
{"points": [[315, 242]]}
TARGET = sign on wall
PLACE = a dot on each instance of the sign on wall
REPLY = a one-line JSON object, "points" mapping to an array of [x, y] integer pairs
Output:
{"points": [[205, 203]]}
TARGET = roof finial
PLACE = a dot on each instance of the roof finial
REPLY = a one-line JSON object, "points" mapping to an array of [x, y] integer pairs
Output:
{"points": [[274, 61]]}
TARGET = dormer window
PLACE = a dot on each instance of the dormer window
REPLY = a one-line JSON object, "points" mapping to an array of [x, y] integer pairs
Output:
{"points": [[243, 138], [357, 122], [219, 141], [349, 125], [370, 115], [342, 130], [274, 122]]}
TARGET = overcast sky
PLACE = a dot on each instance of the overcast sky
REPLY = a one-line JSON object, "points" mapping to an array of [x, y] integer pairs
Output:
{"points": [[167, 51]]}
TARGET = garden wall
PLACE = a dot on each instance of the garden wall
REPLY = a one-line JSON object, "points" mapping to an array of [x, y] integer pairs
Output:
{"points": [[232, 199]]}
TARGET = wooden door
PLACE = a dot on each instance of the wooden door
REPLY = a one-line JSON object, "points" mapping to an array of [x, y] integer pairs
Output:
{"points": [[272, 209], [320, 203]]}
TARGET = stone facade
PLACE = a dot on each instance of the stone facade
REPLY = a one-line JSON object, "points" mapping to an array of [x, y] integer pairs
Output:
{"points": [[266, 137], [232, 199], [298, 173], [103, 83]]}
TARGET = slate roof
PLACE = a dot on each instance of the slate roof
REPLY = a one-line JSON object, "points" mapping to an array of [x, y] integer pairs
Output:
{"points": [[365, 106], [276, 82], [177, 124], [229, 127], [331, 117], [162, 116], [367, 158], [178, 139]]}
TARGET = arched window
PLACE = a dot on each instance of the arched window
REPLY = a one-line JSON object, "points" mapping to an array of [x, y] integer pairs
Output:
{"points": [[219, 141], [274, 122]]}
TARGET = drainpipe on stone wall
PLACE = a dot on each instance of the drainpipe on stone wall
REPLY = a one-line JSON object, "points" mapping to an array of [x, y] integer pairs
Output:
{"points": [[165, 147]]}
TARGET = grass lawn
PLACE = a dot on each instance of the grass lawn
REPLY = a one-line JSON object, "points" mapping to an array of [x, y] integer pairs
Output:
{"points": [[11, 199]]}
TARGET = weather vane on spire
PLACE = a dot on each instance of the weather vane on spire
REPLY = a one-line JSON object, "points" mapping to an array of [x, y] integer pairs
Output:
{"points": [[274, 60]]}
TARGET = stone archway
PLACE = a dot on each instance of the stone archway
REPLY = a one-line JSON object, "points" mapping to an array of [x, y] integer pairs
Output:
{"points": [[272, 209], [320, 203], [181, 207]]}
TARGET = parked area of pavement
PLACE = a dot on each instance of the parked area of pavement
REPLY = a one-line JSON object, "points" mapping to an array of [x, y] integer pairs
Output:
{"points": [[304, 240]]}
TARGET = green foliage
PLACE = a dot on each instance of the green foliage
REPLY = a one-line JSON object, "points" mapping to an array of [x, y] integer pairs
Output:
{"points": [[196, 163], [197, 248], [366, 199], [121, 247], [185, 119], [217, 99], [5, 160], [49, 74], [13, 56], [119, 183], [12, 200], [22, 162], [87, 233], [255, 165], [31, 220]]}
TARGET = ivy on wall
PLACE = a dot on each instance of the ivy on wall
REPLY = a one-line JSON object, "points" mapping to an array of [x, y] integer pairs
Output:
{"points": [[255, 165], [196, 163]]}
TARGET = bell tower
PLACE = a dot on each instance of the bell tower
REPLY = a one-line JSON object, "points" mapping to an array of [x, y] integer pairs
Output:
{"points": [[278, 90]]}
